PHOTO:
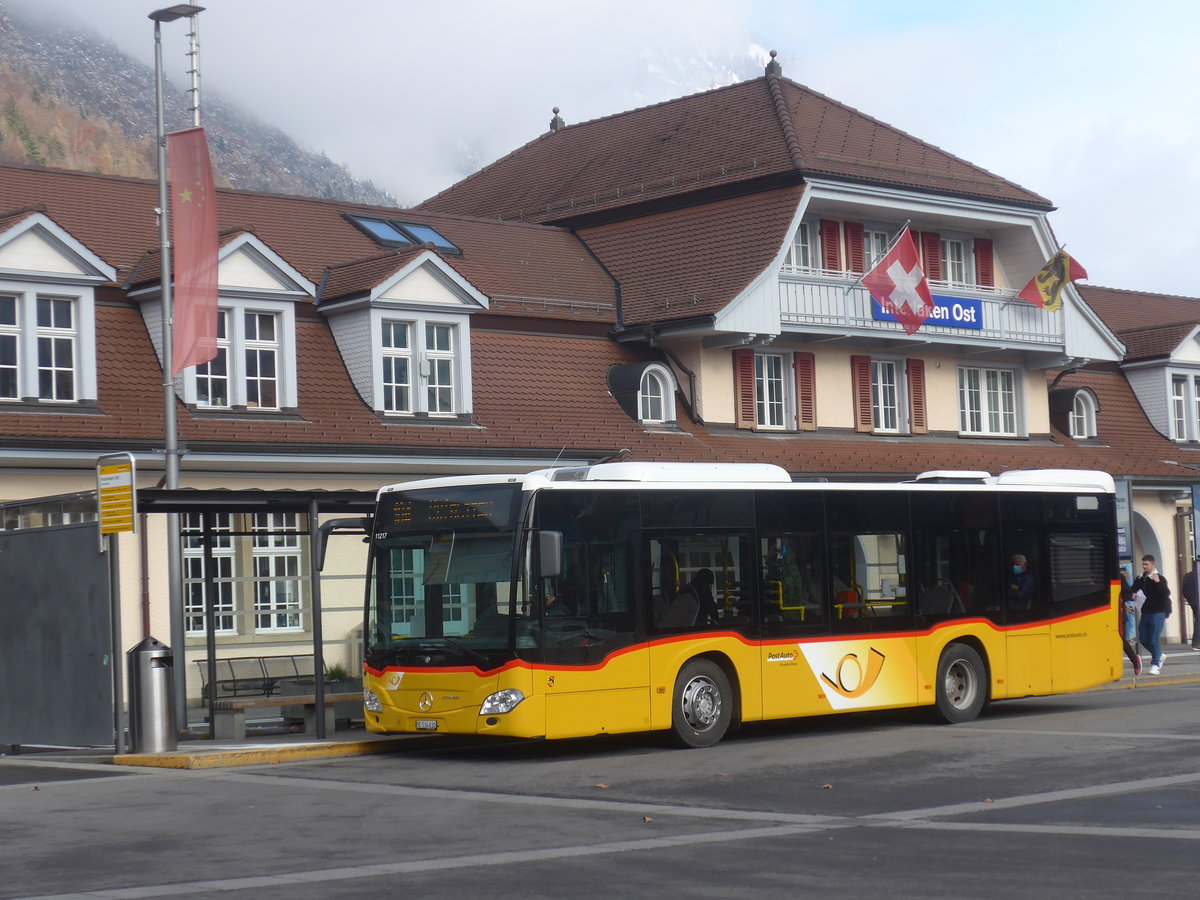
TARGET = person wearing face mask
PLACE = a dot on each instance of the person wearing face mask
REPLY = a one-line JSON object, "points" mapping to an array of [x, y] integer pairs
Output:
{"points": [[1156, 603], [1020, 584]]}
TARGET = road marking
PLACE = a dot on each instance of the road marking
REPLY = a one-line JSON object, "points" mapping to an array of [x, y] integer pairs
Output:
{"points": [[347, 873], [774, 825], [1098, 790]]}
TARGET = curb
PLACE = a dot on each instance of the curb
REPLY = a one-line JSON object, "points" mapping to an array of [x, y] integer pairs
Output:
{"points": [[212, 758]]}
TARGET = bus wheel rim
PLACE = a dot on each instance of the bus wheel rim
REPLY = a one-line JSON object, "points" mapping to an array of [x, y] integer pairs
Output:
{"points": [[960, 684], [701, 703]]}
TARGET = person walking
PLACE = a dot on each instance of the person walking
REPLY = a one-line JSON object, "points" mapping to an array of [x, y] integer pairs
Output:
{"points": [[1128, 628], [1151, 588], [1191, 593]]}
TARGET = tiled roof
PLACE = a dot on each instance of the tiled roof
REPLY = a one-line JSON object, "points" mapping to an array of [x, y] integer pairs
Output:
{"points": [[1156, 341], [114, 217], [693, 261], [357, 277], [756, 130], [1124, 311]]}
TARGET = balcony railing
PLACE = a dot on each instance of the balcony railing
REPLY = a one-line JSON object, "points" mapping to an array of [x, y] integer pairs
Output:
{"points": [[817, 300]]}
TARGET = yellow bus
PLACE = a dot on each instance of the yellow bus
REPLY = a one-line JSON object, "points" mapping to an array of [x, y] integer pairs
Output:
{"points": [[691, 597]]}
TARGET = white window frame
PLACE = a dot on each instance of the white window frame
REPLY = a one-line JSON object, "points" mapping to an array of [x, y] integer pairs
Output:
{"points": [[277, 583], [27, 334], [955, 267], [428, 364], [800, 250], [1179, 408], [438, 369], [224, 555], [657, 385], [888, 400], [397, 394], [1083, 416], [981, 408], [772, 391], [236, 345], [875, 244]]}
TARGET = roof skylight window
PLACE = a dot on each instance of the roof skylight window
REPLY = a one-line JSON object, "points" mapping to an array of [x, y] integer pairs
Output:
{"points": [[396, 234]]}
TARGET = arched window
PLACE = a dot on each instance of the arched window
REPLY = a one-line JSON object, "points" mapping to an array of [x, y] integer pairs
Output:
{"points": [[1083, 415], [652, 398]]}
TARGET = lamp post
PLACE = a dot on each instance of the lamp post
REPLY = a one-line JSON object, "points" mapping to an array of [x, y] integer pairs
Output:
{"points": [[170, 445]]}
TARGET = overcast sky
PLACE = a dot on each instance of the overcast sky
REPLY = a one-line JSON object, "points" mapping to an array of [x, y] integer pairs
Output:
{"points": [[1093, 104]]}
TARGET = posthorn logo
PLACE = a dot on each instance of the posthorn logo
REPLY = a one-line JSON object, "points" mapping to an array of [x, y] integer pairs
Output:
{"points": [[849, 678]]}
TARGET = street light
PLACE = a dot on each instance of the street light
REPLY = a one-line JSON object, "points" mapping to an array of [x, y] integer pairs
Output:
{"points": [[170, 445]]}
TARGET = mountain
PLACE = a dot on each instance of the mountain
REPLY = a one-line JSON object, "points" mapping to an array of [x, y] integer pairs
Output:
{"points": [[72, 100]]}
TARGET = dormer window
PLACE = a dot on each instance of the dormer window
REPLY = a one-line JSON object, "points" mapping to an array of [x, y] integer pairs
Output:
{"points": [[1083, 415], [655, 396], [47, 315], [254, 365], [396, 233]]}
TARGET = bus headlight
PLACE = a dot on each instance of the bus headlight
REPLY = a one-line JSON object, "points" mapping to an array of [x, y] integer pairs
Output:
{"points": [[501, 702], [371, 701]]}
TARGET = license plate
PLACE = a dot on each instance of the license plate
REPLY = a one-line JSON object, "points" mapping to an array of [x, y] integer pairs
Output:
{"points": [[427, 724]]}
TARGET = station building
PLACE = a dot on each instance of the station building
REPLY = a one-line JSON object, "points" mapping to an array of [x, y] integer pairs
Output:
{"points": [[681, 282]]}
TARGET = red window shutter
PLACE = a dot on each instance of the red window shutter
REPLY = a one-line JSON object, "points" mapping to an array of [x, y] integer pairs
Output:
{"points": [[918, 423], [743, 388], [985, 272], [854, 246], [931, 250], [806, 391], [860, 381], [831, 245]]}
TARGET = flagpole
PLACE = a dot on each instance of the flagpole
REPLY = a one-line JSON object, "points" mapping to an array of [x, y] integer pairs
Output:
{"points": [[170, 435], [886, 250]]}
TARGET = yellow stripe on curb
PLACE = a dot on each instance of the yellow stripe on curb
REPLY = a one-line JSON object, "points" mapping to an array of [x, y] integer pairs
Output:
{"points": [[212, 758]]}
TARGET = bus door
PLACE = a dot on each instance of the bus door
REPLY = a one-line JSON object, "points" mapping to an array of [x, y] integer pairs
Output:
{"points": [[1079, 549], [593, 679], [1026, 607]]}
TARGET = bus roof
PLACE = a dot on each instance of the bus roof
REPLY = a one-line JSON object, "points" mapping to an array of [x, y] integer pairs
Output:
{"points": [[713, 475]]}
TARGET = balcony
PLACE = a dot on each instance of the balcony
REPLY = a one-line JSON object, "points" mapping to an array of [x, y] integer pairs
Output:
{"points": [[816, 301]]}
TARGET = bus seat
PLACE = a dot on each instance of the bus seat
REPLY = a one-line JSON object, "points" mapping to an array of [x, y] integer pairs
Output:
{"points": [[681, 612]]}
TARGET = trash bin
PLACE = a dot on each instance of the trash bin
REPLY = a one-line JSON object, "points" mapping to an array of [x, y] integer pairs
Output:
{"points": [[151, 707]]}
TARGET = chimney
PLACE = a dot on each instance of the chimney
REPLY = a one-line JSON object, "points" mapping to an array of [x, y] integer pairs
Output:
{"points": [[773, 67], [557, 124]]}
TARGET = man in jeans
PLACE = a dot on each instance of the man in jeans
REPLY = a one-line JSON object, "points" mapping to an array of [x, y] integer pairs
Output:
{"points": [[1152, 587]]}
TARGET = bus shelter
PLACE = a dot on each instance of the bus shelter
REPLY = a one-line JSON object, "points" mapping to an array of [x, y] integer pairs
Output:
{"points": [[251, 590]]}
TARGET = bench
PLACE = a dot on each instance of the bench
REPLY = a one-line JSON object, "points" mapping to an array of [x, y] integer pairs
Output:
{"points": [[254, 676], [229, 714]]}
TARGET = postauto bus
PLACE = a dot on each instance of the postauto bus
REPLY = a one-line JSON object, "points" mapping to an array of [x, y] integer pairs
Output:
{"points": [[691, 598]]}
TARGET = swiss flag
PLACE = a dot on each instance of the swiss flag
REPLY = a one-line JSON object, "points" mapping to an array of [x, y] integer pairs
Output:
{"points": [[898, 282]]}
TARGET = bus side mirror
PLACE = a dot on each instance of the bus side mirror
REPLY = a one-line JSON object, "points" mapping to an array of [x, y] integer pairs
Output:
{"points": [[550, 553]]}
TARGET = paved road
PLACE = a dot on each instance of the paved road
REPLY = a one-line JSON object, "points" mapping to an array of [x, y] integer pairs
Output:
{"points": [[1089, 795]]}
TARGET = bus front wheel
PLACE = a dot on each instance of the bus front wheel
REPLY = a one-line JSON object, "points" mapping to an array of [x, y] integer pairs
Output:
{"points": [[703, 704], [961, 684]]}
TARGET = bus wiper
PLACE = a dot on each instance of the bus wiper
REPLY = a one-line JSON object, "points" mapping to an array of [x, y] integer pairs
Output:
{"points": [[457, 645]]}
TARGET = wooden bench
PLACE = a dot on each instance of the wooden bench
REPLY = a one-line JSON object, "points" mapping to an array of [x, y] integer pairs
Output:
{"points": [[254, 676], [229, 714]]}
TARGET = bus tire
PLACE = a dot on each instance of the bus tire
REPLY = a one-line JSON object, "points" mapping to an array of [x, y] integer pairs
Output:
{"points": [[702, 705], [961, 686]]}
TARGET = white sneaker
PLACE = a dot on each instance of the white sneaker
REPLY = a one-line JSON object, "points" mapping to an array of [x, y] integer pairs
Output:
{"points": [[1162, 662], [1154, 670]]}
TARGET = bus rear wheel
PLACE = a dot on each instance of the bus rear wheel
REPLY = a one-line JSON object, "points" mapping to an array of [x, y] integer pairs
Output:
{"points": [[703, 704], [961, 685]]}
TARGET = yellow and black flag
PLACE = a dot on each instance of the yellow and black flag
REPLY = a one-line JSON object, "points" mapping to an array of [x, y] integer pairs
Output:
{"points": [[1045, 288]]}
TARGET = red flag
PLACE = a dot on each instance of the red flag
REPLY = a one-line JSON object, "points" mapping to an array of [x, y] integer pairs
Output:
{"points": [[1045, 288], [898, 282], [194, 238]]}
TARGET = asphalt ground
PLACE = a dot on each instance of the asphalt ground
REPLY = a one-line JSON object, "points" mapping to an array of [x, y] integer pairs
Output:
{"points": [[1181, 666]]}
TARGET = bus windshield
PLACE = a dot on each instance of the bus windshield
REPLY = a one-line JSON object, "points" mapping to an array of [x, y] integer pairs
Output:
{"points": [[440, 588]]}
